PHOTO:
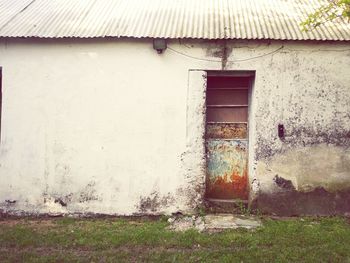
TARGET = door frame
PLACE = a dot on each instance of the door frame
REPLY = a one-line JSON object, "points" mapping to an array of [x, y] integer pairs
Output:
{"points": [[193, 160]]}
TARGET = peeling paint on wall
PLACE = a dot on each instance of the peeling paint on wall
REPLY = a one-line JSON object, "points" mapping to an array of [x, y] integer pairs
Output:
{"points": [[193, 160]]}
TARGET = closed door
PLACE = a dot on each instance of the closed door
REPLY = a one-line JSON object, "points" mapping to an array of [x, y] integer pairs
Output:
{"points": [[227, 137]]}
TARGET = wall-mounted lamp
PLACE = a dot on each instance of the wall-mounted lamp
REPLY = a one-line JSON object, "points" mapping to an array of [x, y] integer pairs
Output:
{"points": [[159, 44]]}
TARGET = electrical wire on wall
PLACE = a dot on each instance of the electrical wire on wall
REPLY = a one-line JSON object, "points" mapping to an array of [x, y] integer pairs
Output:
{"points": [[229, 61], [256, 57]]}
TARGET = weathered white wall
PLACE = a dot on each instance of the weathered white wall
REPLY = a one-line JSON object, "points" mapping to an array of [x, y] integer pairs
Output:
{"points": [[103, 126]]}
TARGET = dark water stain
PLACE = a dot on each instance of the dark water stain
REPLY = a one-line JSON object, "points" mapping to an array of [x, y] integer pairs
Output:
{"points": [[10, 201], [60, 201], [290, 202], [302, 137], [220, 49], [283, 183], [86, 194], [154, 202]]}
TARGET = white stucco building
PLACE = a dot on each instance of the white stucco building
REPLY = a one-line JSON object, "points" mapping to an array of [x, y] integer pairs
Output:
{"points": [[94, 120]]}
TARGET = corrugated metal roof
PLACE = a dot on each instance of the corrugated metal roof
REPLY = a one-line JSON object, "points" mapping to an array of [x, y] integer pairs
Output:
{"points": [[207, 19]]}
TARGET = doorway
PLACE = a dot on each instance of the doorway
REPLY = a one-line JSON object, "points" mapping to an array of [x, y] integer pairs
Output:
{"points": [[226, 133]]}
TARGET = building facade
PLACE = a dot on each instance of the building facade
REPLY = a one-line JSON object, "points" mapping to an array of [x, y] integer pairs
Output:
{"points": [[113, 127], [161, 106]]}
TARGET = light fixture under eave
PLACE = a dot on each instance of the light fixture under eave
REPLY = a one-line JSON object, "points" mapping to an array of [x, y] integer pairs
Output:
{"points": [[159, 44]]}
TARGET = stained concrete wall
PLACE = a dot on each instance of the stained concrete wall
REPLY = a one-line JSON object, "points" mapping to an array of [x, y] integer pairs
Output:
{"points": [[109, 126]]}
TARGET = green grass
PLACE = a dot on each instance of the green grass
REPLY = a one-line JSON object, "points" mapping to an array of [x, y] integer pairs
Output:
{"points": [[132, 240]]}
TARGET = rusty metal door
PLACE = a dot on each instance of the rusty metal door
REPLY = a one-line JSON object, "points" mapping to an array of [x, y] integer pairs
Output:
{"points": [[227, 137]]}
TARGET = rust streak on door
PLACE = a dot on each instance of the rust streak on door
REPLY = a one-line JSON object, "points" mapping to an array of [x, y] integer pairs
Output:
{"points": [[226, 130], [227, 169]]}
